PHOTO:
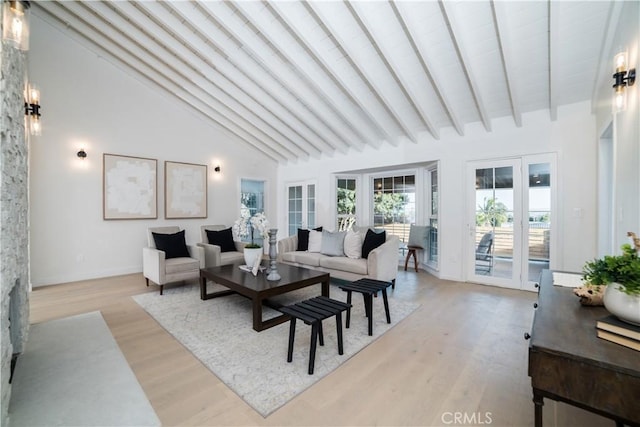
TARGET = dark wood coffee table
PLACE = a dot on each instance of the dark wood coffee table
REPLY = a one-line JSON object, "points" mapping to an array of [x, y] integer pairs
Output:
{"points": [[258, 289]]}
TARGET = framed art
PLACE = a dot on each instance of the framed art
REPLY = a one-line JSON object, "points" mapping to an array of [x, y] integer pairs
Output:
{"points": [[185, 190], [129, 187]]}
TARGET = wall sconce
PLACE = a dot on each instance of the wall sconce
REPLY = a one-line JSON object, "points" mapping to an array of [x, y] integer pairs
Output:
{"points": [[217, 169], [15, 23], [32, 110], [82, 154], [622, 79]]}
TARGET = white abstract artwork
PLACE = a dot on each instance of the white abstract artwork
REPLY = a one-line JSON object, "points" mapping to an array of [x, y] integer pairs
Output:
{"points": [[185, 190], [129, 187]]}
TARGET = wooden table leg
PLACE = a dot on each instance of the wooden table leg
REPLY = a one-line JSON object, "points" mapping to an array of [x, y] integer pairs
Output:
{"points": [[203, 288], [325, 288], [538, 401], [257, 314]]}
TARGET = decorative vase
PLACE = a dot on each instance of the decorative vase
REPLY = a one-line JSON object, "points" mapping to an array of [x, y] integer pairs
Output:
{"points": [[273, 270], [250, 255], [625, 307]]}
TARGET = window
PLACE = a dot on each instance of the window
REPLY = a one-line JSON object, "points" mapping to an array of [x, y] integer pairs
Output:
{"points": [[394, 204], [252, 198], [346, 203]]}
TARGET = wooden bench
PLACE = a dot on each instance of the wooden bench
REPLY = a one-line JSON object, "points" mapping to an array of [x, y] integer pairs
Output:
{"points": [[368, 288], [312, 312]]}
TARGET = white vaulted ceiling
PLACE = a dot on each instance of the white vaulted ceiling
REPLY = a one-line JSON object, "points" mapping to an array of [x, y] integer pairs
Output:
{"points": [[300, 80]]}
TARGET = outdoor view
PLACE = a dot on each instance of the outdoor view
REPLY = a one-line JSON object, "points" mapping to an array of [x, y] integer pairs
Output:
{"points": [[394, 204], [494, 220]]}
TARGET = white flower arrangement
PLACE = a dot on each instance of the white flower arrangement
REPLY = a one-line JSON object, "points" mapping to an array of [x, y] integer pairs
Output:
{"points": [[244, 226], [261, 224]]}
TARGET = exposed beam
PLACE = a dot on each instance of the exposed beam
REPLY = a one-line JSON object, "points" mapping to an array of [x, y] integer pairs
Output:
{"points": [[506, 54], [110, 48], [304, 88], [248, 112], [321, 61], [307, 73], [191, 67], [236, 29], [448, 14], [393, 68], [363, 73], [200, 22], [430, 72]]}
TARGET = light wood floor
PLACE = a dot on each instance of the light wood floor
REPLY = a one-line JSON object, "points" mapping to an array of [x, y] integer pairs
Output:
{"points": [[461, 354]]}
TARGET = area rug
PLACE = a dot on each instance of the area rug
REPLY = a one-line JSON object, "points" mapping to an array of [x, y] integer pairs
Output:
{"points": [[254, 364], [73, 373]]}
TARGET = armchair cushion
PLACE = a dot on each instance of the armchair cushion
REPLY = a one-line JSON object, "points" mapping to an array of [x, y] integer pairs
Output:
{"points": [[222, 238], [371, 241], [303, 238], [173, 245]]}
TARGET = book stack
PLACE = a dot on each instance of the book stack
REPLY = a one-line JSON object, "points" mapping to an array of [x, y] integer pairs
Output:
{"points": [[615, 330]]}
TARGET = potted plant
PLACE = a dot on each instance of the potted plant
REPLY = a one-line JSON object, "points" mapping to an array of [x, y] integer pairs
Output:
{"points": [[621, 276], [245, 226]]}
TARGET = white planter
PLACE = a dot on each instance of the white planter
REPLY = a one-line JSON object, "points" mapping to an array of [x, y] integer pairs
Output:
{"points": [[625, 307], [251, 254]]}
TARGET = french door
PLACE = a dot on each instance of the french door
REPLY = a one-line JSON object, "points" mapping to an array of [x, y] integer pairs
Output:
{"points": [[509, 221], [301, 206]]}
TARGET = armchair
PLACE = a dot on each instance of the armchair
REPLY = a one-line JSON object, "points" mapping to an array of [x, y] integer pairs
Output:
{"points": [[161, 270], [214, 254]]}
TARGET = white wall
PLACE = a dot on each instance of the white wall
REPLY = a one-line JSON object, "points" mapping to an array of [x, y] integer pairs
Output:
{"points": [[572, 137], [88, 102], [626, 128]]}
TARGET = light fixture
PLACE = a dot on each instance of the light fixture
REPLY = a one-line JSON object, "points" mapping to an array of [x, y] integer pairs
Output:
{"points": [[622, 79], [32, 110], [82, 154], [15, 23], [217, 168]]}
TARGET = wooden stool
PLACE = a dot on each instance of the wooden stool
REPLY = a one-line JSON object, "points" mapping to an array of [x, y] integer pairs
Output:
{"points": [[368, 288], [312, 312], [411, 250]]}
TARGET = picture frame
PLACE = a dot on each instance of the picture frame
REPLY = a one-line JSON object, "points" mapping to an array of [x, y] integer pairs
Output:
{"points": [[129, 187], [185, 190]]}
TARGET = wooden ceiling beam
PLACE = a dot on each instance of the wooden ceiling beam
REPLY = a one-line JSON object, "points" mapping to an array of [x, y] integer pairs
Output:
{"points": [[236, 29], [321, 60], [362, 72], [356, 9], [250, 113], [86, 24], [500, 19], [448, 14], [430, 72], [318, 97]]}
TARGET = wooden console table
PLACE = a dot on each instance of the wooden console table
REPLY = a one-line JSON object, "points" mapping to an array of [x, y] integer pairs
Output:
{"points": [[569, 363]]}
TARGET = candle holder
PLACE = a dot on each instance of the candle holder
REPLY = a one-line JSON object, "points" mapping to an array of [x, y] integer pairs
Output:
{"points": [[273, 271]]}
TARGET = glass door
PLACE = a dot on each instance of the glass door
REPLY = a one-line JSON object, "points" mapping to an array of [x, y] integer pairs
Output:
{"points": [[301, 206], [494, 223], [510, 233]]}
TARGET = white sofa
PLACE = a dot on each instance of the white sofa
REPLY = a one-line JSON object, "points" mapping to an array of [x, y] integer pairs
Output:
{"points": [[381, 264]]}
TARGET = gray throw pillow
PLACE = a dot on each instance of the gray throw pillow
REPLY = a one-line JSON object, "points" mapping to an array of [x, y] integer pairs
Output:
{"points": [[333, 243]]}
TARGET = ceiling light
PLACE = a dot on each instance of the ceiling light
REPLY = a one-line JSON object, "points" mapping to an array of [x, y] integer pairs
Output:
{"points": [[15, 23], [622, 79]]}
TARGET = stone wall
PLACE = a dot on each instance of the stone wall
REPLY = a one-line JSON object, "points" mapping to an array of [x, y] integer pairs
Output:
{"points": [[14, 217]]}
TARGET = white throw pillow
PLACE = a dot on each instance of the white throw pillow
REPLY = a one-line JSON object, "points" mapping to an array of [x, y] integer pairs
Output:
{"points": [[353, 245], [315, 241], [333, 243]]}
